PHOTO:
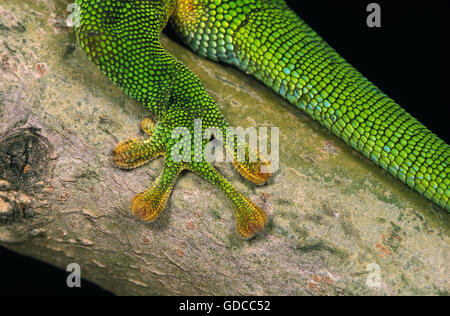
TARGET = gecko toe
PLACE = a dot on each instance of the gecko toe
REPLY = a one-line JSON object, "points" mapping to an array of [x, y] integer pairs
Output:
{"points": [[133, 153], [254, 171], [250, 219]]}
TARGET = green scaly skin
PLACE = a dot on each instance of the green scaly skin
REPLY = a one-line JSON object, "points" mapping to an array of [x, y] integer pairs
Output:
{"points": [[266, 39]]}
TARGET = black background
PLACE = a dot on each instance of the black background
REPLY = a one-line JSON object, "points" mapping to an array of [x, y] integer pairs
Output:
{"points": [[404, 58]]}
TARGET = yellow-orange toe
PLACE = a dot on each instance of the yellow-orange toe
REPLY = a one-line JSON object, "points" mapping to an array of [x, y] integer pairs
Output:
{"points": [[250, 219]]}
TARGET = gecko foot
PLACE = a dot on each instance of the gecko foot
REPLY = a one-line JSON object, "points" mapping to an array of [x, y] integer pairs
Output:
{"points": [[149, 204]]}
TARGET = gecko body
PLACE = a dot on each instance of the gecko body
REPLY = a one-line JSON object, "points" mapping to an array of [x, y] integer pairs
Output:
{"points": [[266, 39]]}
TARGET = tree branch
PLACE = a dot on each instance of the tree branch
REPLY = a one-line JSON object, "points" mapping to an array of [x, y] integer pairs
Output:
{"points": [[332, 213]]}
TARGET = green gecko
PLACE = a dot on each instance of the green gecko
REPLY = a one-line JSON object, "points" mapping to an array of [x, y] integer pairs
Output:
{"points": [[263, 38]]}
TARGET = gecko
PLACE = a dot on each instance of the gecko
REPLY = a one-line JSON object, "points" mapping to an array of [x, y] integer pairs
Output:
{"points": [[265, 39]]}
